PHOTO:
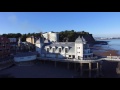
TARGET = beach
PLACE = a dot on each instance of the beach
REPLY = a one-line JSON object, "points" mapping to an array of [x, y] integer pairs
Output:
{"points": [[39, 70], [105, 50], [108, 67]]}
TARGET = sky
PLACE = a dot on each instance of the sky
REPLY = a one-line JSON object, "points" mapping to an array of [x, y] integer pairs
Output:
{"points": [[100, 24]]}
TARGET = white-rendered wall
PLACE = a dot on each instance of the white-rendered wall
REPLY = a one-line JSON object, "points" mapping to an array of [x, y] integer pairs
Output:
{"points": [[52, 36], [77, 50], [38, 47], [45, 35]]}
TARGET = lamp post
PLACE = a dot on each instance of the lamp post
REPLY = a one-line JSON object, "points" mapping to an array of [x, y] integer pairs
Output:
{"points": [[110, 56]]}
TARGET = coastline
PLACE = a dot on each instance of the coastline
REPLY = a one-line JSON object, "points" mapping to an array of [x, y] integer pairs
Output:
{"points": [[105, 50], [108, 68]]}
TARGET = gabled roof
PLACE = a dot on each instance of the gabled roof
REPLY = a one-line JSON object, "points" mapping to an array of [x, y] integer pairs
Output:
{"points": [[79, 40], [40, 40], [84, 39]]}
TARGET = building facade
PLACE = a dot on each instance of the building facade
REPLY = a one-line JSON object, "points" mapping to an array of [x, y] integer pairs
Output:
{"points": [[52, 36], [4, 47], [75, 50], [30, 40]]}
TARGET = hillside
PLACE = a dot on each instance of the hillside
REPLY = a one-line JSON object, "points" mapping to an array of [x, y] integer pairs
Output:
{"points": [[67, 35], [71, 36]]}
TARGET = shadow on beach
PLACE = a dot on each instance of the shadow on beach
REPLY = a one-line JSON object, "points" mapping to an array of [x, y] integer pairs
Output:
{"points": [[6, 76]]}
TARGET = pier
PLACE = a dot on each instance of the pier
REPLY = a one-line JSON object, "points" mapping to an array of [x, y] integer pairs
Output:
{"points": [[81, 65], [92, 65]]}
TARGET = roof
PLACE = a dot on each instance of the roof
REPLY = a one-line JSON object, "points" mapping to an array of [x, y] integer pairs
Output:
{"points": [[47, 41], [80, 40], [72, 50], [84, 39], [60, 44], [40, 40], [63, 44]]}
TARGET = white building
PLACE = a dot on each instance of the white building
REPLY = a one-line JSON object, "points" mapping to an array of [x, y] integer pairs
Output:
{"points": [[76, 50], [52, 36]]}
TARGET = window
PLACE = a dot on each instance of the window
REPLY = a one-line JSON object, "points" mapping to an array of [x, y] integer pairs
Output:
{"points": [[69, 55], [47, 50], [59, 50], [73, 56], [66, 50], [53, 50], [79, 57], [79, 47]]}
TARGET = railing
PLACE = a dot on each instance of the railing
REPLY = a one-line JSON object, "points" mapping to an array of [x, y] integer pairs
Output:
{"points": [[70, 60], [112, 58]]}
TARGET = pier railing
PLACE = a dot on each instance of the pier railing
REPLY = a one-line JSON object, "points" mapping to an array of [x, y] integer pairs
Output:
{"points": [[69, 60], [112, 58]]}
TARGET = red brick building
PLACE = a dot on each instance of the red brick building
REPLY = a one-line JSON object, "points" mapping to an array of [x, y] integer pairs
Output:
{"points": [[4, 47]]}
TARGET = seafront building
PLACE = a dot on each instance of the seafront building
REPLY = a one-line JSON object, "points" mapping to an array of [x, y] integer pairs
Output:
{"points": [[31, 40], [51, 36], [77, 53], [75, 50]]}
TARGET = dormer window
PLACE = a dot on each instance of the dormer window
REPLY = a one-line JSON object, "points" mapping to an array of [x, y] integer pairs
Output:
{"points": [[66, 50], [53, 50], [47, 50], [59, 50]]}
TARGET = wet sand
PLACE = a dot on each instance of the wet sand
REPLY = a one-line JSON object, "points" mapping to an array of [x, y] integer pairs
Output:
{"points": [[102, 51], [109, 67], [39, 70]]}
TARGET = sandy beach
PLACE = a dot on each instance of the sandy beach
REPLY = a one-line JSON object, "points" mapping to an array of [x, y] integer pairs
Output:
{"points": [[109, 68], [105, 51], [39, 70]]}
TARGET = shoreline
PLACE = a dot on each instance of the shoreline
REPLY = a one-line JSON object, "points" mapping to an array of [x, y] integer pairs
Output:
{"points": [[109, 68], [105, 50]]}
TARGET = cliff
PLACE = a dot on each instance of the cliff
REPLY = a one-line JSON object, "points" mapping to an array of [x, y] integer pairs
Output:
{"points": [[71, 36], [89, 38]]}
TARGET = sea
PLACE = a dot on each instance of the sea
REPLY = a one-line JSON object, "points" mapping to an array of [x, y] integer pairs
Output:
{"points": [[112, 44], [109, 68]]}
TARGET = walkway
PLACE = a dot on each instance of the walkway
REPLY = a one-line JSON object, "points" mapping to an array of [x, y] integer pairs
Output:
{"points": [[69, 60], [109, 58]]}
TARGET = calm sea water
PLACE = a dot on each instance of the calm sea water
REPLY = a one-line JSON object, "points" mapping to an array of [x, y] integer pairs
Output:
{"points": [[114, 44]]}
